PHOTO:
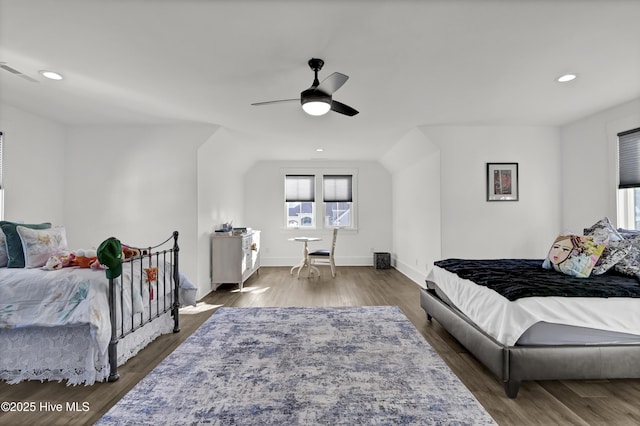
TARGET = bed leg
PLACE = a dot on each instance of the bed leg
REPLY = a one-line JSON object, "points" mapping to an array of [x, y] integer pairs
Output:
{"points": [[113, 361], [429, 317], [113, 343], [176, 321], [175, 311], [511, 388]]}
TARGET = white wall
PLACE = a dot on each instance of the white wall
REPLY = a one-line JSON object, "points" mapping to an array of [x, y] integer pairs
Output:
{"points": [[590, 165], [137, 183], [439, 195], [427, 194], [33, 169], [475, 228], [221, 167], [414, 162], [264, 210]]}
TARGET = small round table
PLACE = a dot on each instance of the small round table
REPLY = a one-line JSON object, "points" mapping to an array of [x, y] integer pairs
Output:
{"points": [[305, 256]]}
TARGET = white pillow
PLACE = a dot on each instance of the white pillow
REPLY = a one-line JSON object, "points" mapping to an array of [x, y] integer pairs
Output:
{"points": [[4, 259], [40, 244]]}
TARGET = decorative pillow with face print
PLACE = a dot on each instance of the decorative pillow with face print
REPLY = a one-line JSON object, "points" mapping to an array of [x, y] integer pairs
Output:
{"points": [[574, 255]]}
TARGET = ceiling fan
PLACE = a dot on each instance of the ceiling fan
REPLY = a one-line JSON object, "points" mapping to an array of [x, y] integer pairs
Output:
{"points": [[317, 99]]}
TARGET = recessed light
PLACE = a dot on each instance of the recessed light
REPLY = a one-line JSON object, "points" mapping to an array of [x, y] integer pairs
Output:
{"points": [[51, 75], [566, 77], [319, 150]]}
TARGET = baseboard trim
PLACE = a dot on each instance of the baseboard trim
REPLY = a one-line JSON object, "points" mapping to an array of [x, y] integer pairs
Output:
{"points": [[411, 273], [340, 261], [406, 270]]}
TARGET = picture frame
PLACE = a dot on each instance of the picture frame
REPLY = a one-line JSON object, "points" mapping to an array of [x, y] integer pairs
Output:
{"points": [[502, 182]]}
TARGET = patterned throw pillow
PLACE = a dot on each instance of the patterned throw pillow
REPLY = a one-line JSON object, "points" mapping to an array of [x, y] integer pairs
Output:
{"points": [[614, 253], [15, 252], [627, 233], [574, 255], [617, 247], [40, 244], [630, 264], [603, 230], [4, 259]]}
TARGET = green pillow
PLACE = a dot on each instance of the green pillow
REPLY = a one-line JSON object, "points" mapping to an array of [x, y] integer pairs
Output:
{"points": [[15, 252]]}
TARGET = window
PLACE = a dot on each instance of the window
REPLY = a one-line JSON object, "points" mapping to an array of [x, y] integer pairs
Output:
{"points": [[338, 194], [629, 179], [338, 197], [299, 193]]}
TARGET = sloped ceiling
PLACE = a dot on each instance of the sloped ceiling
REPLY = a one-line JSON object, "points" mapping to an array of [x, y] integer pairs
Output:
{"points": [[410, 63]]}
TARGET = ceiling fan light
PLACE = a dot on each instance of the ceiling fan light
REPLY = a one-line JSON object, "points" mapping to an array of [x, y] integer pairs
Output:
{"points": [[316, 107]]}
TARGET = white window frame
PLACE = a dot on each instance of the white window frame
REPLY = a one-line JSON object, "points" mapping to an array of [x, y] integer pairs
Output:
{"points": [[352, 202], [319, 207], [626, 208], [300, 225], [286, 203], [626, 197]]}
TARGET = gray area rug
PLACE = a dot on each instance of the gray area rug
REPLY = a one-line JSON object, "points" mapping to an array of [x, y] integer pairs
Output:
{"points": [[307, 366]]}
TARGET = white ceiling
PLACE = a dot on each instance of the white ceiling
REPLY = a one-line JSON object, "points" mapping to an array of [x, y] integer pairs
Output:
{"points": [[410, 63]]}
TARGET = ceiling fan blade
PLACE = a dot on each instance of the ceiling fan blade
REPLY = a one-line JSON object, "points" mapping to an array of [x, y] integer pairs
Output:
{"points": [[276, 102], [332, 83], [343, 109]]}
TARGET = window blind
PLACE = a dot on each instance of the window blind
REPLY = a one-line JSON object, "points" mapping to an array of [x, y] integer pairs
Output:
{"points": [[629, 158], [298, 188], [338, 188]]}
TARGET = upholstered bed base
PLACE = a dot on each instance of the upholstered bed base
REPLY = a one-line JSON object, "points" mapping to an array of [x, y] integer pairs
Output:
{"points": [[513, 364]]}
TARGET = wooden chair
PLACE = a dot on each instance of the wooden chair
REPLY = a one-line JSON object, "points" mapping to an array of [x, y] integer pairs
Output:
{"points": [[324, 256]]}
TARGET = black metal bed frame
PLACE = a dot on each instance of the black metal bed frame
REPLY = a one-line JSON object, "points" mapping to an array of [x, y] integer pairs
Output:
{"points": [[162, 308]]}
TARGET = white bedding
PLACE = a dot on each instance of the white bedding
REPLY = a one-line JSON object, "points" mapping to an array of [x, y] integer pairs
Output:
{"points": [[506, 321], [66, 297], [75, 298]]}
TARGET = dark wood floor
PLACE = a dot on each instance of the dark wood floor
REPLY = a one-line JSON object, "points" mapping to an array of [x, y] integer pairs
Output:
{"points": [[539, 403]]}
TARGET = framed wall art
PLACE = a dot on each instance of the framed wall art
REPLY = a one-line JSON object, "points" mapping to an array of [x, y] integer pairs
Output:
{"points": [[502, 182]]}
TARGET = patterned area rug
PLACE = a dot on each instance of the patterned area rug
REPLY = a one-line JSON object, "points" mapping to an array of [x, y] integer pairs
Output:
{"points": [[307, 366]]}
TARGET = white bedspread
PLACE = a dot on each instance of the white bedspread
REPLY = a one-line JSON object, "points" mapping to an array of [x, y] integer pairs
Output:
{"points": [[79, 296], [506, 321], [70, 296]]}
